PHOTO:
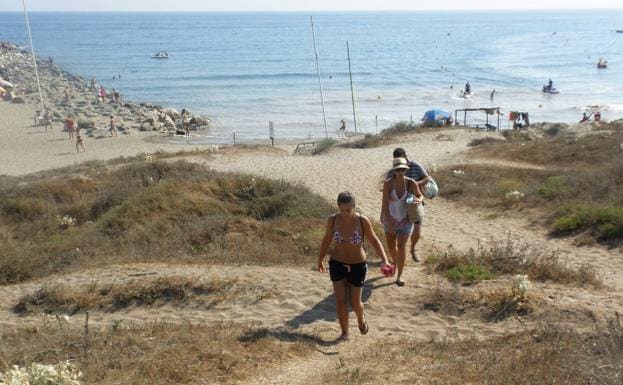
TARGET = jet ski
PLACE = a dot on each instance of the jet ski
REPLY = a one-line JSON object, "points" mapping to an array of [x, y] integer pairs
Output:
{"points": [[550, 90]]}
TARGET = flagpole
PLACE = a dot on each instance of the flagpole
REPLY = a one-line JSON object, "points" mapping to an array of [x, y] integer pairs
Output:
{"points": [[34, 58], [352, 91], [324, 116]]}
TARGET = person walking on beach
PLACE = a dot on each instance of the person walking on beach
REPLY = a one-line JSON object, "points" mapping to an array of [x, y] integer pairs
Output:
{"points": [[347, 264], [92, 86], [492, 95], [342, 125], [47, 119], [113, 127], [397, 190], [116, 96], [420, 176], [101, 94], [79, 143], [70, 126]]}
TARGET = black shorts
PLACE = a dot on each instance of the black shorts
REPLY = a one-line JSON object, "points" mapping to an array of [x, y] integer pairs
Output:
{"points": [[355, 274]]}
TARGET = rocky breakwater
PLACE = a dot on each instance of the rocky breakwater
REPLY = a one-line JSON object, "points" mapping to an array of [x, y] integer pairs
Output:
{"points": [[66, 94]]}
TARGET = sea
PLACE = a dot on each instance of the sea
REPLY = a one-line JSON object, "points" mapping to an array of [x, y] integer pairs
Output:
{"points": [[245, 70]]}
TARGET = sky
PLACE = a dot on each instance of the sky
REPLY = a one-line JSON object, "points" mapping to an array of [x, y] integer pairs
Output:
{"points": [[300, 5]]}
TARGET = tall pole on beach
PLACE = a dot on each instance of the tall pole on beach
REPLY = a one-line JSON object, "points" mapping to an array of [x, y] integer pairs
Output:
{"points": [[324, 115], [352, 90], [34, 58]]}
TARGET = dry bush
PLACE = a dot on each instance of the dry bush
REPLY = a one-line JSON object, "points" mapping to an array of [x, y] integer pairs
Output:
{"points": [[547, 355], [589, 151], [485, 140], [506, 257], [175, 290], [579, 200], [490, 304], [391, 135], [154, 211], [157, 353]]}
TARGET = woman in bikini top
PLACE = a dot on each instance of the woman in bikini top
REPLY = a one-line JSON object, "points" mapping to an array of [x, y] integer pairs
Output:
{"points": [[346, 231]]}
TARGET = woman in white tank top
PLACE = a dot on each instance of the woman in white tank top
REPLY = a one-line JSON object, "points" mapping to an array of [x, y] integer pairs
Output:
{"points": [[394, 216]]}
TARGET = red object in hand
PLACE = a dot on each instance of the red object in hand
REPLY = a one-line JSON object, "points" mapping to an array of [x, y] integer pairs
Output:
{"points": [[388, 270]]}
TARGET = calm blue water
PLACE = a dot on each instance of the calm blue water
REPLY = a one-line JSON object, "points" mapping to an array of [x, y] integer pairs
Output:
{"points": [[244, 69]]}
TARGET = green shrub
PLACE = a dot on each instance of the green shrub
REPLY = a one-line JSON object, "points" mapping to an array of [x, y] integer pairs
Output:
{"points": [[505, 185], [554, 187], [470, 273], [323, 146]]}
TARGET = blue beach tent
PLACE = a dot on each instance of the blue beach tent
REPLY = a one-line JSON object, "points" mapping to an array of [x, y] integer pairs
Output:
{"points": [[435, 115]]}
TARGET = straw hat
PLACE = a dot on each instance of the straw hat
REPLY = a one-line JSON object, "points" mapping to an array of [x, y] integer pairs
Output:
{"points": [[400, 163]]}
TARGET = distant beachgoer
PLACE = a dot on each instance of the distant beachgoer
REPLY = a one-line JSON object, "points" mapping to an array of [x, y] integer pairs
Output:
{"points": [[492, 95], [102, 94], [550, 84], [92, 87], [70, 126], [47, 120], [347, 264], [343, 125], [418, 173], [113, 127], [79, 143], [116, 96], [396, 190], [585, 118], [468, 88]]}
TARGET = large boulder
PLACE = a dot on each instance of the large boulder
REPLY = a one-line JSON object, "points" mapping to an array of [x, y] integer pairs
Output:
{"points": [[150, 120], [86, 124], [168, 122], [172, 113], [200, 121]]}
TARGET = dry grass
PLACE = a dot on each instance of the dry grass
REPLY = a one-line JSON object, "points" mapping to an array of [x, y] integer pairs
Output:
{"points": [[174, 290], [492, 304], [561, 151], [507, 258], [153, 211], [547, 355], [580, 192], [393, 134], [157, 353]]}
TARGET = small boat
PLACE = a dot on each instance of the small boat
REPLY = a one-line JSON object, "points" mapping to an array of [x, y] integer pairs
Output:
{"points": [[161, 55], [619, 30]]}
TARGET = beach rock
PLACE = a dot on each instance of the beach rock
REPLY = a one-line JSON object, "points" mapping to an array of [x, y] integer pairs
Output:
{"points": [[172, 113], [18, 100], [168, 122], [86, 124], [151, 121], [200, 121]]}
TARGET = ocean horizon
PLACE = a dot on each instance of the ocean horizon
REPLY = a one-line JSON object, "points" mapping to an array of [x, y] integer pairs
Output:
{"points": [[244, 69]]}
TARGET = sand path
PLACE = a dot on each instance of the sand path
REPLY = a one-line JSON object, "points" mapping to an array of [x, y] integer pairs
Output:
{"points": [[360, 171]]}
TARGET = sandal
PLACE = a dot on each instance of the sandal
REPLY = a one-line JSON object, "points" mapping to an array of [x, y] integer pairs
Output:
{"points": [[400, 283], [365, 329], [414, 256]]}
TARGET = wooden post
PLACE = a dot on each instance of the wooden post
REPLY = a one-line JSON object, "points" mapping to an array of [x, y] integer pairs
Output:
{"points": [[376, 123], [234, 138]]}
